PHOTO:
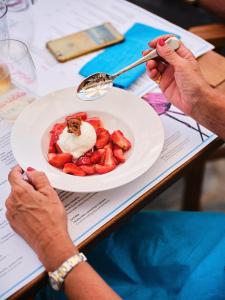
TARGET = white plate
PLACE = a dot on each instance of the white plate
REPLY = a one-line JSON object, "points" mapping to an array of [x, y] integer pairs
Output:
{"points": [[118, 109]]}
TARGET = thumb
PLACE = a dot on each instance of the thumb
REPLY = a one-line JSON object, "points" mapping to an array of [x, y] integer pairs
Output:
{"points": [[38, 179], [168, 54]]}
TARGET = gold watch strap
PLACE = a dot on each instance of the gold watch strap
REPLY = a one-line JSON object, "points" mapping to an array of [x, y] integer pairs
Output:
{"points": [[59, 275]]}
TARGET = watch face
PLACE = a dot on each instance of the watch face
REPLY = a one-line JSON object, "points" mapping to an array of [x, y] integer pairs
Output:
{"points": [[54, 284]]}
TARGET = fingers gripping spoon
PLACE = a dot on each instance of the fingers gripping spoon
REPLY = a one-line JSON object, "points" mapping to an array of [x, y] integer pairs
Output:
{"points": [[98, 84]]}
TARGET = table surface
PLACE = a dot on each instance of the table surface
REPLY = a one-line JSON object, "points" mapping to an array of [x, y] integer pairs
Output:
{"points": [[212, 66]]}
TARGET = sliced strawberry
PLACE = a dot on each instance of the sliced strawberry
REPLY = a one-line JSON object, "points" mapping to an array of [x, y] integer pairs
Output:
{"points": [[102, 169], [83, 160], [95, 122], [89, 153], [102, 153], [109, 145], [58, 128], [89, 170], [118, 154], [103, 137], [72, 169], [82, 115], [109, 158], [59, 160], [55, 132], [58, 149], [96, 157], [120, 140]]}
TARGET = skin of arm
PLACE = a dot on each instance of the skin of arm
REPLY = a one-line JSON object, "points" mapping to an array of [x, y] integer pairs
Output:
{"points": [[217, 6], [36, 213], [184, 86]]}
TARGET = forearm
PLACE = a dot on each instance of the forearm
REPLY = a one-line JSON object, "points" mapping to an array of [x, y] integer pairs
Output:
{"points": [[210, 111], [80, 283], [217, 7], [83, 283]]}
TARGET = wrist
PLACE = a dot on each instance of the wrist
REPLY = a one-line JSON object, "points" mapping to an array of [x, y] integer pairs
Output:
{"points": [[55, 251]]}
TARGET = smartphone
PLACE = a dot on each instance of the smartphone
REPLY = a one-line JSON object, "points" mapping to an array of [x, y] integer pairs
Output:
{"points": [[83, 42]]}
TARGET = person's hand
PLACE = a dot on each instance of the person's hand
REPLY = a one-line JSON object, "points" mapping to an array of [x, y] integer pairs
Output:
{"points": [[180, 79], [36, 213]]}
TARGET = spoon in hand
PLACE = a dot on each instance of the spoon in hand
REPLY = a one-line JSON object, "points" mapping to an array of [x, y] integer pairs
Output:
{"points": [[98, 84]]}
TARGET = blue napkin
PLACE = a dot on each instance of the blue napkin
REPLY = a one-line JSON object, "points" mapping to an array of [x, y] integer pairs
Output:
{"points": [[119, 56]]}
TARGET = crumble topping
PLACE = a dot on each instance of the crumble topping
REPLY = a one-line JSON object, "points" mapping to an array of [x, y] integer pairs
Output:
{"points": [[73, 125]]}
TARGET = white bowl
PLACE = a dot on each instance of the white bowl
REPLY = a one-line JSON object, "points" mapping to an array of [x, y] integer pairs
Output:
{"points": [[118, 109]]}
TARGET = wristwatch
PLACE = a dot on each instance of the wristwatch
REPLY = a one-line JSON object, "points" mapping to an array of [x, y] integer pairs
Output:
{"points": [[57, 277]]}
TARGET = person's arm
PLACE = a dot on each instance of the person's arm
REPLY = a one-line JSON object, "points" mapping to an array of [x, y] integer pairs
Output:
{"points": [[36, 213], [217, 6], [184, 86]]}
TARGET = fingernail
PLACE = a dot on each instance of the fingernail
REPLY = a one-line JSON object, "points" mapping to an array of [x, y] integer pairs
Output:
{"points": [[161, 42], [29, 169]]}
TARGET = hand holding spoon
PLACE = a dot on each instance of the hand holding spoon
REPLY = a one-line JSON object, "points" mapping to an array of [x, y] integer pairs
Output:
{"points": [[98, 84]]}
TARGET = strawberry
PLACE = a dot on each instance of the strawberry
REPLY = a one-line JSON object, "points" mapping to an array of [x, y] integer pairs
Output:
{"points": [[55, 132], [58, 128], [72, 169], [96, 157], [89, 170], [95, 122], [103, 137], [89, 153], [119, 139], [102, 153], [102, 169], [83, 160], [59, 160], [109, 158], [58, 149], [80, 115], [118, 154]]}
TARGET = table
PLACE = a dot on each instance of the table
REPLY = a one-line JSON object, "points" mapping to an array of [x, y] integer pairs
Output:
{"points": [[212, 66]]}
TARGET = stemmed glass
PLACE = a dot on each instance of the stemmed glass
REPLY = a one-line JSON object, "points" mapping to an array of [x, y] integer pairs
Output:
{"points": [[4, 33], [16, 66]]}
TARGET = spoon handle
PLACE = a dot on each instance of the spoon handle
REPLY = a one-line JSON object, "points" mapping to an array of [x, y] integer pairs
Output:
{"points": [[172, 42]]}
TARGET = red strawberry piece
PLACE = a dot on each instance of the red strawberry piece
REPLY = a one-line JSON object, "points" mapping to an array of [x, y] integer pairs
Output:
{"points": [[58, 128], [89, 153], [54, 136], [102, 169], [83, 160], [102, 153], [103, 137], [96, 157], [89, 170], [120, 140], [95, 122], [72, 169], [109, 158], [80, 115], [59, 160], [118, 154], [58, 149]]}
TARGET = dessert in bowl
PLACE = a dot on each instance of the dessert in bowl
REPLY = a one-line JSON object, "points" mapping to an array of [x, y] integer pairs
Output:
{"points": [[82, 146], [119, 111]]}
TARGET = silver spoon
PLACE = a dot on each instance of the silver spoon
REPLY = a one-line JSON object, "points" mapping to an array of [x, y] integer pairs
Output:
{"points": [[98, 84]]}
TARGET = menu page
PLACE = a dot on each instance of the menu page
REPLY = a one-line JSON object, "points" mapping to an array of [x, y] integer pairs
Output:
{"points": [[87, 212]]}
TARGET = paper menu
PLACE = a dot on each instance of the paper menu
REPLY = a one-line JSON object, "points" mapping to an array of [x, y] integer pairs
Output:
{"points": [[88, 212]]}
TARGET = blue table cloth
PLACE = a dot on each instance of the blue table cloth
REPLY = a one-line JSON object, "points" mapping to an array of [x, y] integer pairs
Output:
{"points": [[163, 255], [119, 56]]}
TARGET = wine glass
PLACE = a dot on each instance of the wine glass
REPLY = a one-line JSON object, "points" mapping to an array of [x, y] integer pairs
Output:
{"points": [[16, 66], [4, 34]]}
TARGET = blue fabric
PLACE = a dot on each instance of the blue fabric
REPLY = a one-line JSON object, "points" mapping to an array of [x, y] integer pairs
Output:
{"points": [[164, 255], [119, 56]]}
